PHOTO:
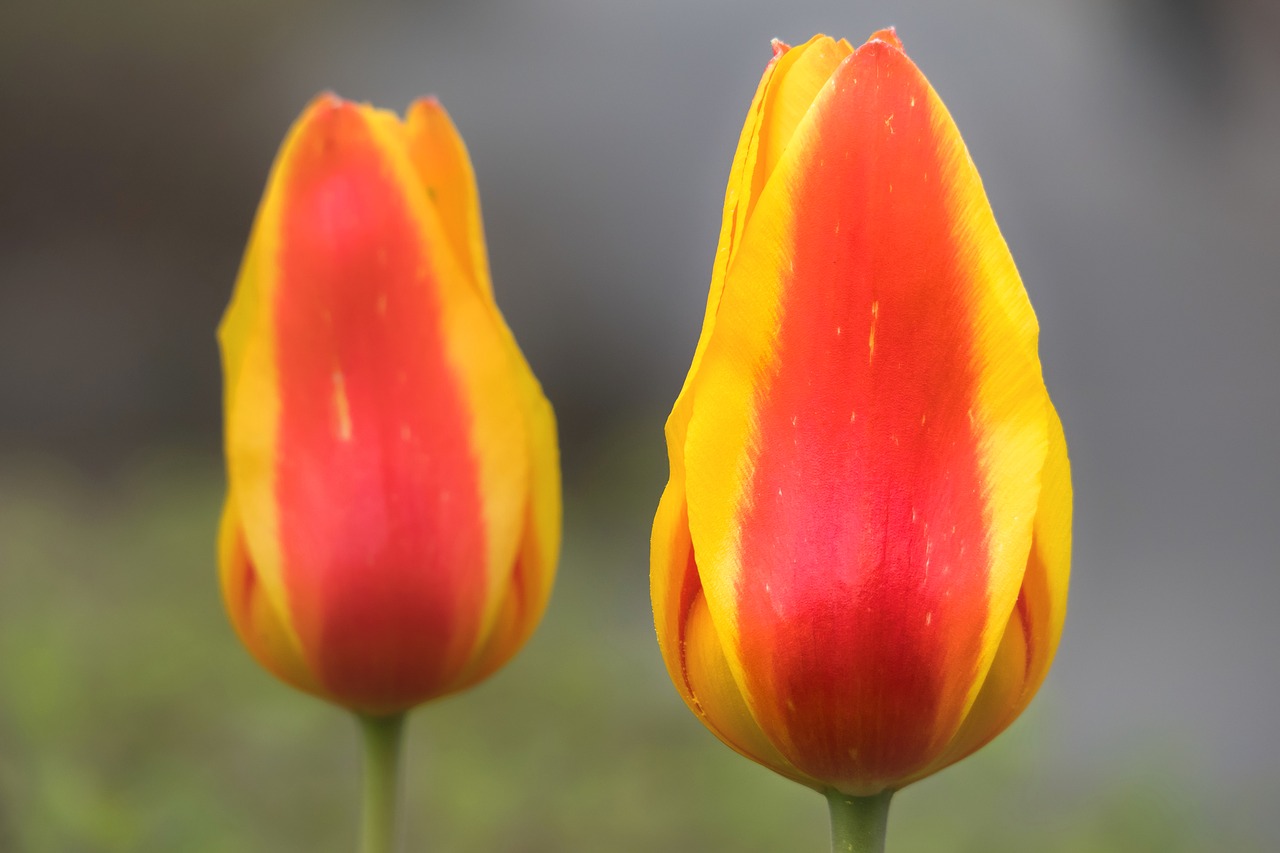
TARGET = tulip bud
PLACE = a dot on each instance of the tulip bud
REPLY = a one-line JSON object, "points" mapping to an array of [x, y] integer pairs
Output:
{"points": [[392, 519], [860, 562]]}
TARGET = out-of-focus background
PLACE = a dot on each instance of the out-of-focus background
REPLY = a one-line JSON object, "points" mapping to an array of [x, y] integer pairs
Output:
{"points": [[1131, 150]]}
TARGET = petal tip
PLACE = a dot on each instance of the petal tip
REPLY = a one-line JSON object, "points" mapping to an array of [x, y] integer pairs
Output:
{"points": [[427, 105], [889, 36], [325, 103], [328, 117]]}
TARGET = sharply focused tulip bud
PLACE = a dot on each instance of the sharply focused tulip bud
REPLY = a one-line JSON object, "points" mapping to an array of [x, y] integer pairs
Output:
{"points": [[393, 509], [860, 562]]}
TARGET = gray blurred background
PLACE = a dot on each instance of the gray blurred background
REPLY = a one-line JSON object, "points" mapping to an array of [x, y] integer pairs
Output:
{"points": [[1130, 150]]}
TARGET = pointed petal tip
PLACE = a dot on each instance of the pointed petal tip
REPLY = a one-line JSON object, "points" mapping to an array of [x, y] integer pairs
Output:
{"points": [[889, 36], [327, 101], [427, 112], [325, 115], [779, 47], [427, 105]]}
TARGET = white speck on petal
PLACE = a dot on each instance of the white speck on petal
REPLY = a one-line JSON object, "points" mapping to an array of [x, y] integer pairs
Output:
{"points": [[871, 338], [341, 406]]}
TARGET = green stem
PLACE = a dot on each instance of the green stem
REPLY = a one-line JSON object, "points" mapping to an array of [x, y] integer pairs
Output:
{"points": [[858, 824], [382, 738]]}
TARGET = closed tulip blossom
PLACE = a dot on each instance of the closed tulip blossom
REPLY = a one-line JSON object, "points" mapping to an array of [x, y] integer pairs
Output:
{"points": [[392, 518], [860, 562]]}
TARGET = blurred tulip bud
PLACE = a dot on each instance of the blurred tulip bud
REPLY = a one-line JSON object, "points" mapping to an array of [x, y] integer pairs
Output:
{"points": [[859, 565], [392, 519]]}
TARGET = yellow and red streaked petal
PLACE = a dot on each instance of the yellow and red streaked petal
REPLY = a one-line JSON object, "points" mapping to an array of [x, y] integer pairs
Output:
{"points": [[442, 162], [255, 619], [690, 646], [1031, 638], [444, 167], [511, 420], [376, 443], [440, 156], [867, 434]]}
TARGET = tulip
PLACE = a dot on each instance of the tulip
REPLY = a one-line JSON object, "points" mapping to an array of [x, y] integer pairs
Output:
{"points": [[392, 518], [860, 561]]}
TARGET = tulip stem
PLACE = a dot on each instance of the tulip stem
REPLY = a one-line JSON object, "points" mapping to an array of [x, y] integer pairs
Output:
{"points": [[858, 824], [382, 740]]}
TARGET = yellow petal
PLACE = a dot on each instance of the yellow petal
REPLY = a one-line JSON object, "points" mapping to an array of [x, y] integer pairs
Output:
{"points": [[800, 74]]}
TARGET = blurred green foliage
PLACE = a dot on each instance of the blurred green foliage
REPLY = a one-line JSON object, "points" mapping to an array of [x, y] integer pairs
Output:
{"points": [[132, 720]]}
